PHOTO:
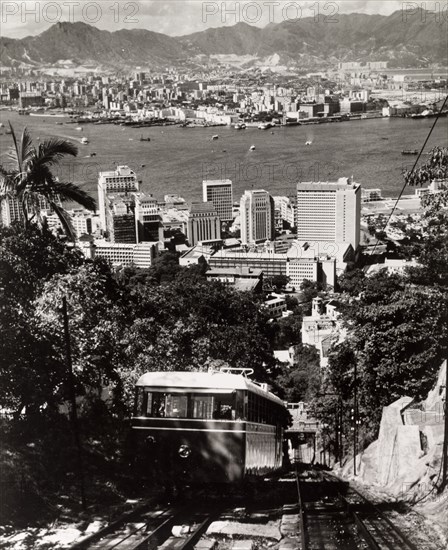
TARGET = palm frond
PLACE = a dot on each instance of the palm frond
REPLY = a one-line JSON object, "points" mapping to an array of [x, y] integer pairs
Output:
{"points": [[71, 192], [65, 220], [52, 150], [8, 183], [27, 149], [15, 156]]}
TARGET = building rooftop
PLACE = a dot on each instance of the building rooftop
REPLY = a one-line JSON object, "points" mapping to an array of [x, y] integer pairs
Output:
{"points": [[203, 207], [121, 170], [236, 271], [342, 184], [197, 252], [217, 182], [246, 285]]}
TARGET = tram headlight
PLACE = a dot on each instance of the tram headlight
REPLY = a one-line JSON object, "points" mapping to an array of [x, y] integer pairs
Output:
{"points": [[184, 451]]}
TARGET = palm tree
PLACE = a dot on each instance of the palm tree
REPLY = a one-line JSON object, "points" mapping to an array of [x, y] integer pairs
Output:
{"points": [[32, 179]]}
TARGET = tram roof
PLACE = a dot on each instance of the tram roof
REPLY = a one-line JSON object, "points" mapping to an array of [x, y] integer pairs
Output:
{"points": [[191, 381]]}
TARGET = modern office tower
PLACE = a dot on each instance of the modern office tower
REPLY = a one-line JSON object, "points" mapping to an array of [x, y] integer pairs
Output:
{"points": [[203, 223], [122, 180], [120, 221], [148, 222], [219, 192], [329, 211], [257, 216]]}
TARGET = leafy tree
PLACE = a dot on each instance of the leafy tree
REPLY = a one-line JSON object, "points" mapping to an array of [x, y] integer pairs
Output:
{"points": [[165, 267], [30, 374], [352, 282], [30, 257], [96, 321], [301, 381], [431, 248], [33, 179], [279, 281]]}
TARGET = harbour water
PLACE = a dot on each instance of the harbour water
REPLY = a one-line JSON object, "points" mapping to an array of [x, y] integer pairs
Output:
{"points": [[176, 160]]}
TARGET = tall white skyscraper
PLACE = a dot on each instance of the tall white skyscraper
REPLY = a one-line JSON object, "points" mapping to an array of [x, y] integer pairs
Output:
{"points": [[219, 192], [121, 180], [257, 216], [329, 211]]}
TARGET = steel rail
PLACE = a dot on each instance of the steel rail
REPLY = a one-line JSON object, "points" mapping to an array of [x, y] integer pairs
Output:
{"points": [[303, 537], [380, 515]]}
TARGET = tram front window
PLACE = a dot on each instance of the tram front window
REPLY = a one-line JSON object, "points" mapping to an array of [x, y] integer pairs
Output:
{"points": [[221, 406]]}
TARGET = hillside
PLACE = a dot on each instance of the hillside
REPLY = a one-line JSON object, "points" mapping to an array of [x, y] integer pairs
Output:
{"points": [[415, 41]]}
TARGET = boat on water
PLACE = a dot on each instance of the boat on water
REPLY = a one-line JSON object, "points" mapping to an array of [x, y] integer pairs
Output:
{"points": [[264, 126], [79, 128], [215, 136], [85, 141], [50, 115], [308, 142], [240, 126], [252, 148], [59, 123], [409, 152], [144, 138], [143, 165], [93, 154], [429, 113]]}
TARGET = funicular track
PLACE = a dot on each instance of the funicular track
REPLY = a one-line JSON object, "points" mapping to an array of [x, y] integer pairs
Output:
{"points": [[165, 529], [335, 515]]}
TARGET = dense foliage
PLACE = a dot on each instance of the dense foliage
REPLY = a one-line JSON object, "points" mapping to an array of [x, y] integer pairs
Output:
{"points": [[121, 324]]}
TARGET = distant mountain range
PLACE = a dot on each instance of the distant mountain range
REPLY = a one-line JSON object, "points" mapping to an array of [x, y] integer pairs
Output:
{"points": [[417, 40]]}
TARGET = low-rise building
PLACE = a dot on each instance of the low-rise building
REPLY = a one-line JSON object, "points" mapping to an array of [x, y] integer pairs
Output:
{"points": [[240, 278], [139, 255], [195, 255], [276, 306]]}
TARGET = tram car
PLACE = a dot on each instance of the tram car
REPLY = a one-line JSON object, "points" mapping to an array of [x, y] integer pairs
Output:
{"points": [[207, 427]]}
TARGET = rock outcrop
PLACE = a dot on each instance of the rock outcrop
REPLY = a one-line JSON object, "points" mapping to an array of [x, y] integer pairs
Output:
{"points": [[406, 458]]}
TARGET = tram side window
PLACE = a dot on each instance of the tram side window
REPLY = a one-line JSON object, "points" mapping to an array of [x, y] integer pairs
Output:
{"points": [[176, 406], [156, 404], [259, 409], [139, 402], [202, 406], [239, 405], [224, 407]]}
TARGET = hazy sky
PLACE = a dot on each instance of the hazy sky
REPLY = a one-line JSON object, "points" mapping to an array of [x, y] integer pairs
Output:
{"points": [[177, 17]]}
